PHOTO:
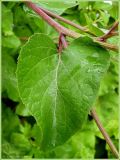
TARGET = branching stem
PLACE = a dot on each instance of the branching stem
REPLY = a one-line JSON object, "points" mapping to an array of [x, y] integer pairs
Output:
{"points": [[64, 30], [84, 29], [59, 28], [110, 33]]}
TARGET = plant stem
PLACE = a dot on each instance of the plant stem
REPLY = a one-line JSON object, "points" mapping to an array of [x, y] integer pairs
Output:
{"points": [[64, 30], [60, 46], [107, 45], [104, 133], [23, 38], [84, 29], [110, 33], [53, 23], [62, 43]]}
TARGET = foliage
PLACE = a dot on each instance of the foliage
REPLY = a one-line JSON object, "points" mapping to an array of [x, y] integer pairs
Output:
{"points": [[89, 65], [55, 86]]}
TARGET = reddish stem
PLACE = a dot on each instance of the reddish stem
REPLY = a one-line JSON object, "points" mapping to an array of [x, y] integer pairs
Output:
{"points": [[104, 133], [65, 20], [50, 21], [23, 38], [62, 43], [60, 46], [110, 33], [64, 30]]}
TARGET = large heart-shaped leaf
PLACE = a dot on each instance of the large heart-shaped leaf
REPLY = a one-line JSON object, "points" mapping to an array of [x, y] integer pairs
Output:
{"points": [[59, 90]]}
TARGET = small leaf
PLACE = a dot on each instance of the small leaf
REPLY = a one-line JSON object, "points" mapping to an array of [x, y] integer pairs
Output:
{"points": [[94, 29], [107, 109], [7, 18], [22, 110], [83, 145], [104, 18], [11, 41], [59, 90], [9, 121], [9, 81], [9, 151], [114, 11], [20, 141], [102, 6], [83, 5]]}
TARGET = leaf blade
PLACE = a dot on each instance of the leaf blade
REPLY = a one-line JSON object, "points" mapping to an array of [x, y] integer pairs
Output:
{"points": [[55, 95]]}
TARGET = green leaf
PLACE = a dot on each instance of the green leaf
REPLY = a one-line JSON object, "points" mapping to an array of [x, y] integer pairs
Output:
{"points": [[60, 90], [10, 5], [83, 145], [15, 136], [7, 19], [20, 141], [113, 40], [9, 81], [94, 29], [82, 18], [107, 109], [44, 27], [110, 81], [114, 11], [102, 6], [36, 133], [104, 18], [22, 110], [11, 41], [57, 6], [83, 5], [17, 148], [9, 121], [108, 84], [78, 146], [9, 151]]}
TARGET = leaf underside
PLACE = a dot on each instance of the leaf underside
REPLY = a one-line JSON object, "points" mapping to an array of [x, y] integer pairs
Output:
{"points": [[60, 90]]}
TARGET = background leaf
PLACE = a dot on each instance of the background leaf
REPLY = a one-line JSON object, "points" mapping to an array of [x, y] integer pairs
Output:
{"points": [[8, 20], [57, 6], [9, 81]]}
